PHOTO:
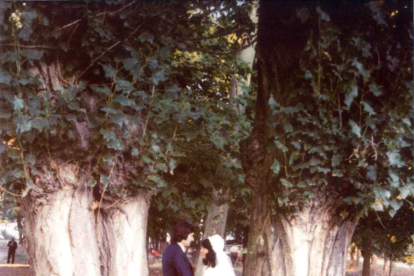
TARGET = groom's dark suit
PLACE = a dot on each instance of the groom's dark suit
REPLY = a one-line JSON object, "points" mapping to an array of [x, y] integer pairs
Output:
{"points": [[175, 262]]}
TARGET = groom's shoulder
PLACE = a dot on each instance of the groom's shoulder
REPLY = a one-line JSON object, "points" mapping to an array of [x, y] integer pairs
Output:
{"points": [[172, 248]]}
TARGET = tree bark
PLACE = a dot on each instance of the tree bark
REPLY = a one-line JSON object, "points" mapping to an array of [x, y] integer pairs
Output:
{"points": [[20, 227], [374, 259], [68, 234], [312, 242], [385, 264], [366, 254], [391, 267]]}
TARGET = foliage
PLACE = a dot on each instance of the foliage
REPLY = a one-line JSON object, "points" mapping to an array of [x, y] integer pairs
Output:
{"points": [[345, 114], [390, 237], [125, 92]]}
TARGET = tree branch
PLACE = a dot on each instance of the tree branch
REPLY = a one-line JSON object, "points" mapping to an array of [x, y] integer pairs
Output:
{"points": [[99, 14]]}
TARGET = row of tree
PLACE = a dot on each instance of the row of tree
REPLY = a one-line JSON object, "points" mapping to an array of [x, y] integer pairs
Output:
{"points": [[118, 119]]}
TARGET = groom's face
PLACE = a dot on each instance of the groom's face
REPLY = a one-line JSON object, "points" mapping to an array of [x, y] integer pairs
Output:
{"points": [[188, 241]]}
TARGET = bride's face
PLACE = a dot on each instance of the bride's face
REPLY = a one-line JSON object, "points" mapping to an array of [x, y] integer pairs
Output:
{"points": [[203, 252]]}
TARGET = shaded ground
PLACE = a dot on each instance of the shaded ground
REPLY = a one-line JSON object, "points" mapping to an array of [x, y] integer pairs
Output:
{"points": [[377, 270], [22, 269]]}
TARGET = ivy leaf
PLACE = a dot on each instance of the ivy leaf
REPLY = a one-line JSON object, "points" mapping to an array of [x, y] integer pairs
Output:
{"points": [[105, 180], [124, 85], [288, 127], [272, 102], [296, 145], [378, 206], [155, 149], [172, 164], [351, 94], [281, 146], [275, 167], [115, 144], [372, 172], [286, 183], [33, 54], [109, 71], [324, 15], [162, 167], [31, 159], [28, 16], [368, 108], [135, 152], [336, 159], [102, 90], [158, 76], [18, 103], [404, 192], [375, 90], [108, 134], [394, 158], [5, 77], [131, 63], [355, 128], [109, 110], [396, 204], [124, 101], [146, 37], [25, 33]]}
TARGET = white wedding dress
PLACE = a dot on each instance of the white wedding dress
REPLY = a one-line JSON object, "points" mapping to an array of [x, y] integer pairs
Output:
{"points": [[224, 265]]}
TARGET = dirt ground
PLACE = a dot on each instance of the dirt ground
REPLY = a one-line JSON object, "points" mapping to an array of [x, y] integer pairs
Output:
{"points": [[22, 269], [156, 271]]}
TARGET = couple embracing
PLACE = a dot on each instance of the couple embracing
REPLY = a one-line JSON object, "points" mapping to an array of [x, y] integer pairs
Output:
{"points": [[215, 260]]}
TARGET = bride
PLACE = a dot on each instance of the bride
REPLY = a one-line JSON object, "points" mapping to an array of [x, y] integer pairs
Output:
{"points": [[215, 260]]}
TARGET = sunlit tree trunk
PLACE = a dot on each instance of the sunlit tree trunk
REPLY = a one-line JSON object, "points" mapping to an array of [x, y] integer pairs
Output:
{"points": [[68, 234]]}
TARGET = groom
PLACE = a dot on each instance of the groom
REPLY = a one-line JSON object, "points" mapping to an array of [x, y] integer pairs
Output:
{"points": [[174, 259]]}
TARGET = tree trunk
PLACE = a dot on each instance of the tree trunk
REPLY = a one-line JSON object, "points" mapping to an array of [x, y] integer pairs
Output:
{"points": [[358, 256], [352, 261], [374, 259], [385, 264], [391, 267], [68, 234], [214, 224], [311, 238], [313, 242], [366, 254], [20, 228]]}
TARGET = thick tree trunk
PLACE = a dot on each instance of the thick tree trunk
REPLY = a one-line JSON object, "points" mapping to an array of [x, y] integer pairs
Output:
{"points": [[311, 239], [366, 265], [312, 242], [214, 224], [68, 235]]}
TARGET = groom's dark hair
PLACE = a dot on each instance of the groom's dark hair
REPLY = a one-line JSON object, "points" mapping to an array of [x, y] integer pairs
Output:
{"points": [[181, 231]]}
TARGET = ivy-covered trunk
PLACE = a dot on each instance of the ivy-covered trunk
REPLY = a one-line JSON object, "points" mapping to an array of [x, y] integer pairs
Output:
{"points": [[290, 234], [310, 241], [69, 233]]}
